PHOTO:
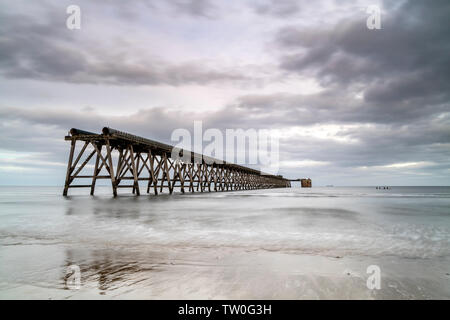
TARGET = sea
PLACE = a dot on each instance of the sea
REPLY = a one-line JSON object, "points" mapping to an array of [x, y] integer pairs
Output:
{"points": [[290, 243]]}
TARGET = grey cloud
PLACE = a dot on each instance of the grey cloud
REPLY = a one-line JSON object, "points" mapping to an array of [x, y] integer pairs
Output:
{"points": [[335, 106], [151, 122], [424, 140], [401, 70], [43, 50], [376, 146], [414, 38], [202, 8], [278, 8], [328, 106], [194, 8], [39, 134]]}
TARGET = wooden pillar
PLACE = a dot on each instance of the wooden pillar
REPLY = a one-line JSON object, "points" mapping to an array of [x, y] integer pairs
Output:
{"points": [[69, 166], [181, 175], [111, 168], [208, 177], [165, 174], [154, 174], [199, 176], [96, 172], [136, 160], [191, 176], [134, 169]]}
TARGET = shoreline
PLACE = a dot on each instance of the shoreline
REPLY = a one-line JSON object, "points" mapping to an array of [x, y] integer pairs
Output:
{"points": [[219, 273]]}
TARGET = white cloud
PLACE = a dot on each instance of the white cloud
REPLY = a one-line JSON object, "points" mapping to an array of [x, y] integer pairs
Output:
{"points": [[419, 164], [324, 132], [302, 163], [402, 165]]}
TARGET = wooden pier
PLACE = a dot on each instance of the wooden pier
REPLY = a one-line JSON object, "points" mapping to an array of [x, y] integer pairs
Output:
{"points": [[123, 157]]}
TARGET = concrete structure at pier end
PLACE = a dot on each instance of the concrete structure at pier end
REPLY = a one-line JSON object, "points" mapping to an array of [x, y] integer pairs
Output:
{"points": [[306, 183]]}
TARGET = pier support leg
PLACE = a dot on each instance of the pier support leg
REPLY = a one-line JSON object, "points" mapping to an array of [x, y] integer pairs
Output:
{"points": [[154, 173], [111, 168], [69, 167], [135, 173], [96, 172]]}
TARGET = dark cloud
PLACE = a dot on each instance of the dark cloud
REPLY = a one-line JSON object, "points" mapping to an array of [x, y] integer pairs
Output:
{"points": [[202, 8], [328, 106], [278, 8], [407, 59], [335, 105], [401, 71]]}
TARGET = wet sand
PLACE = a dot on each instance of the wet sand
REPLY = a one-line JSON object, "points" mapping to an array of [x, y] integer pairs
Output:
{"points": [[212, 273]]}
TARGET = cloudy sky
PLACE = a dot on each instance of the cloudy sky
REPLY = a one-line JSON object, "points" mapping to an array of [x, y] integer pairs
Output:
{"points": [[352, 106]]}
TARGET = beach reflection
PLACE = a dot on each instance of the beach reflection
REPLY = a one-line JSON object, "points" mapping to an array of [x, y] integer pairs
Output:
{"points": [[109, 270]]}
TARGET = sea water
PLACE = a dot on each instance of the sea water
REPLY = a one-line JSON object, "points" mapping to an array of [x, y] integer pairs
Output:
{"points": [[293, 243]]}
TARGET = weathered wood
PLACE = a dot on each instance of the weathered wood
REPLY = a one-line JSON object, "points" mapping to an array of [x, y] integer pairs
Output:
{"points": [[111, 168], [134, 168], [69, 166], [80, 186], [154, 174], [83, 165], [96, 172], [79, 156]]}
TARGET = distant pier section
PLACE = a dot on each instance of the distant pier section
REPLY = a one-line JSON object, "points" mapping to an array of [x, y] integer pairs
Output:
{"points": [[129, 161]]}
